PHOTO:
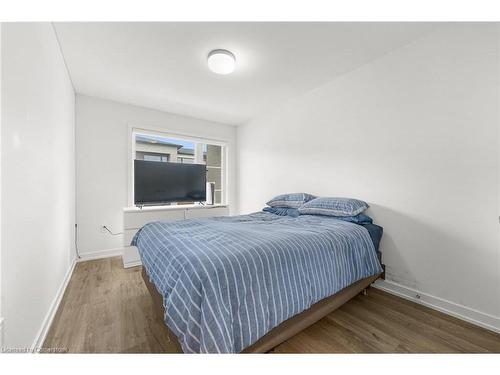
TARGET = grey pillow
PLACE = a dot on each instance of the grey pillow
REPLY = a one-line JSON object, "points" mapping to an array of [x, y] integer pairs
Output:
{"points": [[292, 200], [333, 207]]}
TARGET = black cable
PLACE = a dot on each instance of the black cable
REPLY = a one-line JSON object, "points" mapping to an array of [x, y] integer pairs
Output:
{"points": [[76, 242], [113, 234]]}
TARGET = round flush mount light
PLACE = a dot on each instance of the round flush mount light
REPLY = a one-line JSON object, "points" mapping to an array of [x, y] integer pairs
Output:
{"points": [[221, 61]]}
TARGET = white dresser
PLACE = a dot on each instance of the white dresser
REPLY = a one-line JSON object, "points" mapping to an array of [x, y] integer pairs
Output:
{"points": [[134, 218]]}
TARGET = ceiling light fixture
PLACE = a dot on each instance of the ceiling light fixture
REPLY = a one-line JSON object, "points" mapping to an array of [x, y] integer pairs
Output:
{"points": [[221, 61]]}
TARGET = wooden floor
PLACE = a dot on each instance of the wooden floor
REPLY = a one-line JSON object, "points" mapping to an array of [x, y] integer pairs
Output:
{"points": [[107, 309]]}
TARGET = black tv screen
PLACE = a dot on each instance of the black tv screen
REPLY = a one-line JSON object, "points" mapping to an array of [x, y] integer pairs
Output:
{"points": [[162, 182]]}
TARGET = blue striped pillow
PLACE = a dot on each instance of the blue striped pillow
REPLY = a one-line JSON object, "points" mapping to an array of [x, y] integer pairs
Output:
{"points": [[333, 207], [292, 200]]}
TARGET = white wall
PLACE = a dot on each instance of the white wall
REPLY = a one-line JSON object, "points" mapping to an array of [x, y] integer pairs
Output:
{"points": [[102, 163], [38, 176], [415, 134]]}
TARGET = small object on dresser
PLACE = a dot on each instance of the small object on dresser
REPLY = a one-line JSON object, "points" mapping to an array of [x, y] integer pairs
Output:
{"points": [[210, 199]]}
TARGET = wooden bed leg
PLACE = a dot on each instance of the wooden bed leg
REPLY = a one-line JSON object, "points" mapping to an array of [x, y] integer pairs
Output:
{"points": [[365, 291]]}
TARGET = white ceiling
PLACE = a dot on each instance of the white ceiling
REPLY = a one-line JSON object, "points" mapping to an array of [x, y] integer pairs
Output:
{"points": [[163, 65]]}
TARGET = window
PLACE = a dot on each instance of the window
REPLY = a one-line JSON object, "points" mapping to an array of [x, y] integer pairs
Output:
{"points": [[152, 156], [185, 160], [212, 156], [160, 147], [155, 148]]}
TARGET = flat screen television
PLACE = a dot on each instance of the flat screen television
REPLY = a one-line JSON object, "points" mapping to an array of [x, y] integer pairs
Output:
{"points": [[162, 182]]}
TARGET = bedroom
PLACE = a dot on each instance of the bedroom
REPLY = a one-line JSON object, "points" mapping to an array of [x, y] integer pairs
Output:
{"points": [[265, 187]]}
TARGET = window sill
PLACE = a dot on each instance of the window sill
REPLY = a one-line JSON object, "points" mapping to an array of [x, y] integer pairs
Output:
{"points": [[172, 207]]}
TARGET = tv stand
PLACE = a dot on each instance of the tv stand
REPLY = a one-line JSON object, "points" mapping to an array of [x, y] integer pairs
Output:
{"points": [[135, 217]]}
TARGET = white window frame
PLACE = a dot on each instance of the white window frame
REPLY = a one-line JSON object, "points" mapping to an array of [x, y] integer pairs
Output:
{"points": [[134, 130]]}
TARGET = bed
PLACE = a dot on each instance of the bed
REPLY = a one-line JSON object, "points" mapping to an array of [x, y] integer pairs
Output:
{"points": [[247, 283]]}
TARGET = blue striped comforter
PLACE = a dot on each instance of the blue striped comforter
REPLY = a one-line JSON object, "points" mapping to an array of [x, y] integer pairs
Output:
{"points": [[227, 281]]}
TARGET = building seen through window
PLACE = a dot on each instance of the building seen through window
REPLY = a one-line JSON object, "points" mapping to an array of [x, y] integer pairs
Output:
{"points": [[151, 147]]}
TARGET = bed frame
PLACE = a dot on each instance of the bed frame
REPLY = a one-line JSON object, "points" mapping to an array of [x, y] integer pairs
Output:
{"points": [[285, 330]]}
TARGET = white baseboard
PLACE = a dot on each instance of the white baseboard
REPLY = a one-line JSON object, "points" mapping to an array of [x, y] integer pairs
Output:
{"points": [[100, 254], [42, 333], [132, 264], [451, 308], [44, 329], [131, 257]]}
